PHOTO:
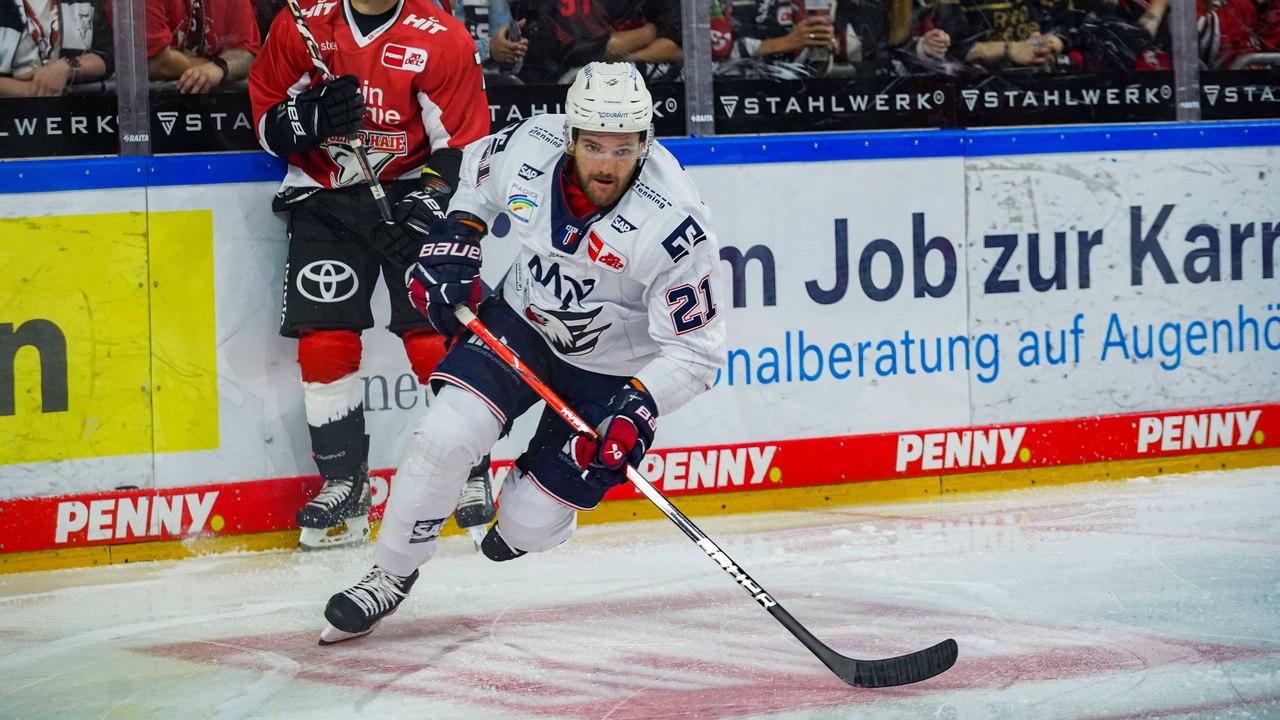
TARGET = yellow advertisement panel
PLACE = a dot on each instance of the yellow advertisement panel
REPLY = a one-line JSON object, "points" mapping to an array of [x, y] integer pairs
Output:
{"points": [[76, 332], [183, 331]]}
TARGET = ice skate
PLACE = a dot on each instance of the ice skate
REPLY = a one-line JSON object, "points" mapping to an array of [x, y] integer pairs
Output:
{"points": [[339, 515], [357, 610], [475, 505]]}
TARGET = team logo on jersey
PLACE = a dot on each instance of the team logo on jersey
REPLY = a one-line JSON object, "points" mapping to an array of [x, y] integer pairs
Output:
{"points": [[402, 57], [621, 225], [348, 163], [327, 281], [681, 240], [396, 143], [570, 333], [529, 172], [604, 255], [522, 202]]}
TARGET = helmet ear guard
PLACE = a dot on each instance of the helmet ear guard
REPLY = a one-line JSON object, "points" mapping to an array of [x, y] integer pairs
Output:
{"points": [[611, 98]]}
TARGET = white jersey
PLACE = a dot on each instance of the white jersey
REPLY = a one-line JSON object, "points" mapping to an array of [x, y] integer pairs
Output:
{"points": [[630, 290]]}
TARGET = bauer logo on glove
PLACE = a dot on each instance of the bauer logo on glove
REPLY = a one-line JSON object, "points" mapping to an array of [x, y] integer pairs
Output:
{"points": [[462, 250], [447, 273]]}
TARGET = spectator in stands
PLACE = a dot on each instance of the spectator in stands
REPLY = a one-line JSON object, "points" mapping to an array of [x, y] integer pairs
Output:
{"points": [[1041, 34], [770, 40], [266, 12], [651, 33], [202, 44], [1225, 29], [499, 51], [564, 35], [1268, 27], [48, 47], [877, 35]]}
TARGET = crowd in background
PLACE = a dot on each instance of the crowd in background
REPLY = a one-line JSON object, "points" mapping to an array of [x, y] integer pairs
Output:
{"points": [[48, 47]]}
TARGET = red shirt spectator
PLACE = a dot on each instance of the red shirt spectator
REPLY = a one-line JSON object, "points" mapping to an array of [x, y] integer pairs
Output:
{"points": [[200, 43]]}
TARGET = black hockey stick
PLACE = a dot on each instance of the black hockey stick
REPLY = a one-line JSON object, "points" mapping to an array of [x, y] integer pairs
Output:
{"points": [[901, 670], [357, 146]]}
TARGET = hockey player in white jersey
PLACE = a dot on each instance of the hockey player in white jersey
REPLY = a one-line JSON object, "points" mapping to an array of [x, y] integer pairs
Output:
{"points": [[611, 301]]}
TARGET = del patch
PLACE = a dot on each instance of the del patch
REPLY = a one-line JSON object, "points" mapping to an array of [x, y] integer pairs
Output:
{"points": [[401, 57]]}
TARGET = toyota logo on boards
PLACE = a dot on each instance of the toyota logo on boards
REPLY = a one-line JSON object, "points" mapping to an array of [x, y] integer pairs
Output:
{"points": [[327, 281]]}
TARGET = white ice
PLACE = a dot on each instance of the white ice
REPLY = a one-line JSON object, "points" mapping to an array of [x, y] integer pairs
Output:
{"points": [[1151, 598]]}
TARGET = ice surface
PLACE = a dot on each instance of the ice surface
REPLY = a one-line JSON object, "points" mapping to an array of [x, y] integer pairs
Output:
{"points": [[1140, 599]]}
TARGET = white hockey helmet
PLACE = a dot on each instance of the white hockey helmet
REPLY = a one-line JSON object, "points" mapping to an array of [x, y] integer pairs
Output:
{"points": [[611, 98]]}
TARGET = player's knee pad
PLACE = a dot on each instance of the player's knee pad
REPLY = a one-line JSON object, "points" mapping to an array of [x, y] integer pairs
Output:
{"points": [[497, 549], [531, 518], [425, 349], [457, 430], [326, 356]]}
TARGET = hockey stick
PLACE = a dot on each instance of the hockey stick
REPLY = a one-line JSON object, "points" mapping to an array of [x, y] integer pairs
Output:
{"points": [[901, 670], [357, 146]]}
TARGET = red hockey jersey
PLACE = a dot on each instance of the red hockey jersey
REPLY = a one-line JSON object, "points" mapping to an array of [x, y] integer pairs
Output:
{"points": [[419, 74]]}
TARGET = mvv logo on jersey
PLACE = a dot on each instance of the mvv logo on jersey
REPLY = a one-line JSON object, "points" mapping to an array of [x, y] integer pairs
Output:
{"points": [[604, 255], [401, 57]]}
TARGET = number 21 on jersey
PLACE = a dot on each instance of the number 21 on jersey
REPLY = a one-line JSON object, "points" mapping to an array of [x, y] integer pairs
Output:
{"points": [[691, 308]]}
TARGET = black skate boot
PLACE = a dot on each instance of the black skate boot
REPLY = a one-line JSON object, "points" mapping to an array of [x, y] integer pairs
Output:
{"points": [[357, 610], [475, 505], [339, 515]]}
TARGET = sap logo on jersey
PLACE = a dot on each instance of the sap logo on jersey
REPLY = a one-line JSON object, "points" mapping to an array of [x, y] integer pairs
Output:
{"points": [[604, 255], [621, 225], [528, 172], [967, 448], [1198, 432], [401, 57], [681, 470], [133, 517], [522, 203], [327, 281]]}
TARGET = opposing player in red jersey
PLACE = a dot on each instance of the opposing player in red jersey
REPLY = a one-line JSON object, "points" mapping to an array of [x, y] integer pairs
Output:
{"points": [[408, 80]]}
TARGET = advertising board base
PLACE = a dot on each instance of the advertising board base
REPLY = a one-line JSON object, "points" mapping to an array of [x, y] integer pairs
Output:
{"points": [[746, 501]]}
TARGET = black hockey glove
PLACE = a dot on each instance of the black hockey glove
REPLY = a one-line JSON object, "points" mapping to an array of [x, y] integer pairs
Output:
{"points": [[625, 435], [447, 273], [307, 119], [411, 219]]}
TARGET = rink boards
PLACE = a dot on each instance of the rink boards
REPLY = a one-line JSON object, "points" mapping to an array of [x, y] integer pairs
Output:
{"points": [[907, 313]]}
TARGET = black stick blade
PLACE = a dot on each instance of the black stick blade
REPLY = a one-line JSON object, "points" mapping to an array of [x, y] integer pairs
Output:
{"points": [[901, 670]]}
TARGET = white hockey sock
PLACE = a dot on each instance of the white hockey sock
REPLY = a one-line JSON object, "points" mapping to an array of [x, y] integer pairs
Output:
{"points": [[456, 432], [326, 402]]}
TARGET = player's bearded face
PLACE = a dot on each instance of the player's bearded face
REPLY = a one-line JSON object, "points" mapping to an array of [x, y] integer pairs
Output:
{"points": [[605, 163]]}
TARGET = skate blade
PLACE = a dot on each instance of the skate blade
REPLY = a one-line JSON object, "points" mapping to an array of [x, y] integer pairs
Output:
{"points": [[355, 530], [332, 635], [477, 534]]}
